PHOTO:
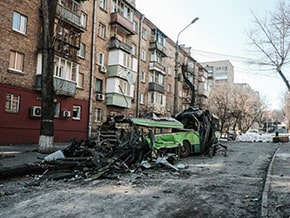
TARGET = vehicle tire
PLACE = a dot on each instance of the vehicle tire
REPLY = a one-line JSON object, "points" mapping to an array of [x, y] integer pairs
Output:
{"points": [[184, 150]]}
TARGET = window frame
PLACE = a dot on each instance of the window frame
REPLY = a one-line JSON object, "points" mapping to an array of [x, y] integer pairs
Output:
{"points": [[102, 30], [82, 51], [103, 4], [84, 19], [101, 59], [76, 114], [98, 115], [99, 85], [19, 25], [12, 103], [143, 77], [15, 57]]}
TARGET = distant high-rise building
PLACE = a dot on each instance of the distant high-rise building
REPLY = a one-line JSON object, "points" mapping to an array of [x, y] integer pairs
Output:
{"points": [[219, 72]]}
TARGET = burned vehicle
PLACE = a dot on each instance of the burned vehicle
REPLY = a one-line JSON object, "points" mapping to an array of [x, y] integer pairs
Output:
{"points": [[192, 131]]}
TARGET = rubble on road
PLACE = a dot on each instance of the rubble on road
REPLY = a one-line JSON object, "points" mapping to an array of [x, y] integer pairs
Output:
{"points": [[89, 160]]}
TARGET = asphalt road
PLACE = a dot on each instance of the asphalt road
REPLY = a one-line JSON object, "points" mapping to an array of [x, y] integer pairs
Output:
{"points": [[221, 186]]}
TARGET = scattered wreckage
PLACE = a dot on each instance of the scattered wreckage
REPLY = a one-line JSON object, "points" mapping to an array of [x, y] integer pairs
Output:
{"points": [[130, 144]]}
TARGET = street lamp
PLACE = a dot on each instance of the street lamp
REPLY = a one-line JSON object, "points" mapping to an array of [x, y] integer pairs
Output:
{"points": [[175, 109]]}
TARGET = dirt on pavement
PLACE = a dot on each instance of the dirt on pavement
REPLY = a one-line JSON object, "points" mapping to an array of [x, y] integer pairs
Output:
{"points": [[220, 186]]}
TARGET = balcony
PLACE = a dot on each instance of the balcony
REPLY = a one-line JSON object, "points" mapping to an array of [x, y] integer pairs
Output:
{"points": [[61, 86], [124, 23], [117, 44], [66, 49], [155, 87], [154, 65], [190, 69], [202, 90], [157, 46], [119, 100], [71, 17]]}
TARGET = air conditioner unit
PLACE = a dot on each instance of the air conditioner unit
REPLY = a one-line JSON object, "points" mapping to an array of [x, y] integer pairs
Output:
{"points": [[100, 97], [65, 114], [103, 69], [35, 111]]}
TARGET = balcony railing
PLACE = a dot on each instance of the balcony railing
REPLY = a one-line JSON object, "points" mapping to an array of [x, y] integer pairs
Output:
{"points": [[116, 43], [154, 65], [66, 49], [116, 99], [155, 87], [61, 86], [155, 45], [70, 16], [117, 18], [202, 90]]}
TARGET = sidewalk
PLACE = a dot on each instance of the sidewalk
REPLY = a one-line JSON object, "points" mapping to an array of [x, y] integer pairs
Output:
{"points": [[15, 157], [279, 184]]}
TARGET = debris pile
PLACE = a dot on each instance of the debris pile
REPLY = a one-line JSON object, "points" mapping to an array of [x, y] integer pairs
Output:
{"points": [[89, 160]]}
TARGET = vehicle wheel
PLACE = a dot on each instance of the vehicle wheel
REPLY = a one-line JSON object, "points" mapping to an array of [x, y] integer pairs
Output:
{"points": [[184, 150]]}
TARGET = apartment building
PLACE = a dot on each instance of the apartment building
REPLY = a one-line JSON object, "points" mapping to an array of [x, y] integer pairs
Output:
{"points": [[109, 60], [219, 72]]}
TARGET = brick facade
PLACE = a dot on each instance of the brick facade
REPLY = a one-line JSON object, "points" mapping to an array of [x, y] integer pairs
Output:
{"points": [[85, 74]]}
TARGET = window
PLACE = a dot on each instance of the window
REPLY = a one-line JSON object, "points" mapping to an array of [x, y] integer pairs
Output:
{"points": [[81, 80], [103, 4], [66, 69], [56, 109], [144, 33], [169, 88], [157, 98], [142, 79], [101, 58], [143, 55], [12, 103], [124, 87], [169, 70], [134, 49], [141, 98], [102, 30], [19, 23], [170, 53], [157, 78], [135, 26], [82, 50], [98, 115], [84, 18], [99, 85], [16, 61], [76, 112], [127, 60]]}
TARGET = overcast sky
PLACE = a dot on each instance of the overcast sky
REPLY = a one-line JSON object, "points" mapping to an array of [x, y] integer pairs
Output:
{"points": [[219, 34]]}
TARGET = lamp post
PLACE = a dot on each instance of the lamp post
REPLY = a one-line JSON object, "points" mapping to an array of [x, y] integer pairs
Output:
{"points": [[175, 109]]}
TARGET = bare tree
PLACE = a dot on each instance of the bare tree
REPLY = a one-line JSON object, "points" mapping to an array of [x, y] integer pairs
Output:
{"points": [[271, 37], [48, 9], [237, 107], [219, 105]]}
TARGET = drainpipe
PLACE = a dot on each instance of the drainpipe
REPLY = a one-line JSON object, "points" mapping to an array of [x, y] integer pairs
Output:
{"points": [[139, 65], [92, 69]]}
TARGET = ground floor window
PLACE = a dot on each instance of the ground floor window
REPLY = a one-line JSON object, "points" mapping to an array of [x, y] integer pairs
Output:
{"points": [[76, 112], [98, 115], [12, 103]]}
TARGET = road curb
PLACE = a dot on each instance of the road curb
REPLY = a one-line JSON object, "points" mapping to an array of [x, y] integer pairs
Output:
{"points": [[264, 203]]}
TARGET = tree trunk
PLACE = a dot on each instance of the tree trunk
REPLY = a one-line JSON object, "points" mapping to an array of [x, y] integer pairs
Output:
{"points": [[47, 89], [191, 85]]}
